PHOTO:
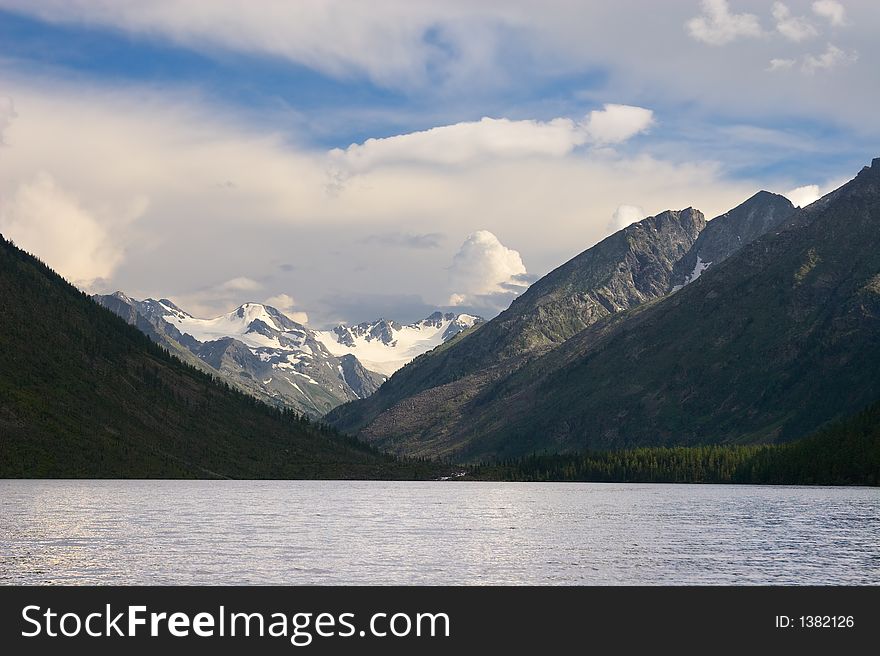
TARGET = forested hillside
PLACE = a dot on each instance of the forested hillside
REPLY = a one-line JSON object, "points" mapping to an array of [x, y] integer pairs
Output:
{"points": [[83, 394]]}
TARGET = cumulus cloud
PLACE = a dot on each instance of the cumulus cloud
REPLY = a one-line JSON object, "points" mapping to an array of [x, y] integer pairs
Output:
{"points": [[617, 123], [50, 222], [831, 58], [625, 215], [286, 304], [793, 28], [803, 196], [718, 26], [831, 10], [485, 271]]}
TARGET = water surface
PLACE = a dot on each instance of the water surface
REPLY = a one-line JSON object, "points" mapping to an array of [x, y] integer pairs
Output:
{"points": [[317, 532]]}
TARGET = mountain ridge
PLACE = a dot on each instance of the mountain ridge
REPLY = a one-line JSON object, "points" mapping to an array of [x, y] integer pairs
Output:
{"points": [[537, 405], [625, 268], [261, 351]]}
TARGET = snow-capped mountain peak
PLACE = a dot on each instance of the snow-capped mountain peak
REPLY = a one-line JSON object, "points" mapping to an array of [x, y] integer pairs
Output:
{"points": [[262, 351], [255, 324], [385, 346]]}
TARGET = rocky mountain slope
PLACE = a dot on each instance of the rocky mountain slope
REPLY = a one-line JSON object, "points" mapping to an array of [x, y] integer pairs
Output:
{"points": [[584, 394], [625, 269], [82, 394], [781, 338], [726, 234], [261, 351]]}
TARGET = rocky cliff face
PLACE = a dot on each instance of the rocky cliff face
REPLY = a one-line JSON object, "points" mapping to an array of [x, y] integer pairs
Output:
{"points": [[726, 234]]}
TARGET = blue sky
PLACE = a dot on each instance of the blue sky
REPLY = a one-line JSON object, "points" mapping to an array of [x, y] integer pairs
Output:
{"points": [[334, 157]]}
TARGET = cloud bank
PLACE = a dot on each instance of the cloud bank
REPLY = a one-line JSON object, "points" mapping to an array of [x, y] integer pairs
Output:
{"points": [[465, 142], [157, 224]]}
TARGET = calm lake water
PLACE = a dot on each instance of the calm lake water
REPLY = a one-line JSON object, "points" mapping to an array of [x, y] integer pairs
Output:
{"points": [[298, 532]]}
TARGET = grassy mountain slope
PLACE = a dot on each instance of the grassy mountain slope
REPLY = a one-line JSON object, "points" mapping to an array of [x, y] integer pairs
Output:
{"points": [[83, 394]]}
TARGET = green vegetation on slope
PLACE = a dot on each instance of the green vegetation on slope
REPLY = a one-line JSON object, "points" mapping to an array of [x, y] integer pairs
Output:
{"points": [[83, 394], [847, 453]]}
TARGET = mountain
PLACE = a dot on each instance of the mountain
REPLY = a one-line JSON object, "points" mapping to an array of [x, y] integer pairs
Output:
{"points": [[779, 339], [385, 346], [628, 268], [83, 394], [726, 234], [256, 348], [262, 352]]}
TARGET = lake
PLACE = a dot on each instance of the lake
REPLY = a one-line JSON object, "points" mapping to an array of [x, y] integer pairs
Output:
{"points": [[319, 532]]}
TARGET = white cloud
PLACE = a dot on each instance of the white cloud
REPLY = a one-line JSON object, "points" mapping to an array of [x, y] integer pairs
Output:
{"points": [[484, 267], [831, 10], [803, 196], [46, 220], [781, 64], [491, 138], [463, 142], [718, 26], [286, 304], [485, 141], [625, 215], [831, 58], [793, 28], [617, 123], [278, 227]]}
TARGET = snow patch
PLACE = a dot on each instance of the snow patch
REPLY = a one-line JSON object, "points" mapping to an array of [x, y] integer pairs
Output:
{"points": [[306, 376], [699, 268], [236, 324]]}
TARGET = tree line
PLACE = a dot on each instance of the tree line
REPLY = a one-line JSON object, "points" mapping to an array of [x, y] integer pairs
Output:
{"points": [[845, 453]]}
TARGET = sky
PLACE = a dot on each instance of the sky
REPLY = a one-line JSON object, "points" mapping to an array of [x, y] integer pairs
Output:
{"points": [[345, 161]]}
